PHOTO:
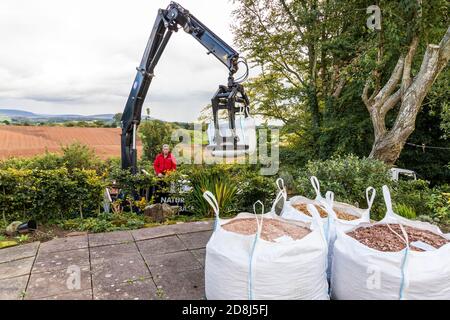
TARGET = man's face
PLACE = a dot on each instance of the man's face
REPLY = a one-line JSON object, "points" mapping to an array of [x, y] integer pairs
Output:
{"points": [[166, 151]]}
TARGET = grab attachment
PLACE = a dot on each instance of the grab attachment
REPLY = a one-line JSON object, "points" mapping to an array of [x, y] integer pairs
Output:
{"points": [[236, 135]]}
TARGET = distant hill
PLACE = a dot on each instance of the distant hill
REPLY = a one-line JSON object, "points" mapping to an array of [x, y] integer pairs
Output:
{"points": [[16, 113], [26, 115]]}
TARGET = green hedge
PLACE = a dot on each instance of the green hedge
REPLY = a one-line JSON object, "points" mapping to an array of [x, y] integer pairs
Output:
{"points": [[349, 176], [49, 194]]}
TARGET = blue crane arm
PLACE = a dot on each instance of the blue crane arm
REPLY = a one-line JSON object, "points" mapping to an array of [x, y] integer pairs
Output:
{"points": [[167, 21]]}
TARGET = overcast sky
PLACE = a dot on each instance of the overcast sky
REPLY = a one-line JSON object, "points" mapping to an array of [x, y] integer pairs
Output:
{"points": [[79, 56]]}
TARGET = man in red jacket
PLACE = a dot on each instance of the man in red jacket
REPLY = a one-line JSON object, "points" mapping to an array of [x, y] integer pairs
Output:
{"points": [[164, 162]]}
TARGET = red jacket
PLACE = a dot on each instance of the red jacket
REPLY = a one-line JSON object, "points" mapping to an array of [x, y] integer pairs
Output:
{"points": [[162, 165]]}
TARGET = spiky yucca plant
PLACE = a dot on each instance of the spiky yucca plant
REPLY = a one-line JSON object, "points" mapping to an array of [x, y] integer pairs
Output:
{"points": [[221, 186]]}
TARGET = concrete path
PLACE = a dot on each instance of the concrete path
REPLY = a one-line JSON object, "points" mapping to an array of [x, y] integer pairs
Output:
{"points": [[165, 262]]}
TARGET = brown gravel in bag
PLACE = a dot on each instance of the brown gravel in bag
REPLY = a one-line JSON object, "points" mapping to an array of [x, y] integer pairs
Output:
{"points": [[271, 228], [323, 214], [381, 238]]}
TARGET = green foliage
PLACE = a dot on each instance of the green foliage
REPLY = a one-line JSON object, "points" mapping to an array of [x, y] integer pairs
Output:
{"points": [[22, 238], [237, 187], [439, 204], [223, 188], [129, 183], [414, 193], [253, 187], [429, 163], [49, 194], [405, 211], [104, 223], [348, 177], [305, 49], [154, 134], [46, 161], [116, 119], [73, 156], [445, 124], [79, 156]]}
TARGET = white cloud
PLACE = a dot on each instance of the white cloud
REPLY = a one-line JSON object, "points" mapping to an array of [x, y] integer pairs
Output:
{"points": [[79, 56]]}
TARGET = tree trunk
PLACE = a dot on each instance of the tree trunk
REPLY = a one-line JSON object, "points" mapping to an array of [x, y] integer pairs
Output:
{"points": [[409, 93]]}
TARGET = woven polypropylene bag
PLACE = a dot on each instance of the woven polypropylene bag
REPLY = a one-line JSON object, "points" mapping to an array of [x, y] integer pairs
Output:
{"points": [[247, 267], [360, 272]]}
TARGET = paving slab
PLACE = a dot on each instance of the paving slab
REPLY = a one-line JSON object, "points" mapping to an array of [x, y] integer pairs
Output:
{"points": [[51, 261], [108, 238], [16, 268], [165, 262], [172, 262], [136, 290], [200, 255], [187, 285], [196, 240], [19, 252], [76, 295], [188, 227], [113, 252], [13, 288], [114, 272], [154, 232], [58, 282], [161, 245], [64, 244]]}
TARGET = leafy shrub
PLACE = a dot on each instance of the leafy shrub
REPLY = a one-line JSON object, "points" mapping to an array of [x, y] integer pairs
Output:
{"points": [[439, 204], [104, 223], [80, 156], [73, 156], [239, 185], [46, 161], [129, 183], [253, 187], [348, 177], [49, 194], [405, 211], [154, 133], [413, 193]]}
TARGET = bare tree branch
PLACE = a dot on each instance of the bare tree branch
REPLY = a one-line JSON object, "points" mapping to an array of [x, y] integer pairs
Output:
{"points": [[406, 78], [339, 87], [365, 95], [445, 49], [388, 145], [391, 102], [390, 86]]}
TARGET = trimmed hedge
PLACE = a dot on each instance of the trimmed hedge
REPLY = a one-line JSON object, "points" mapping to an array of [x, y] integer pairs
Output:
{"points": [[49, 194], [349, 176]]}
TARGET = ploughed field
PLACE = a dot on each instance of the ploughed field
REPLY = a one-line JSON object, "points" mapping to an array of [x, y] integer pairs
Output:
{"points": [[28, 141]]}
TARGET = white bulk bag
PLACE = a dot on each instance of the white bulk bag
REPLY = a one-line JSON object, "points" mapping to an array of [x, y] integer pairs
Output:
{"points": [[245, 130], [241, 267], [289, 212], [360, 272], [333, 222]]}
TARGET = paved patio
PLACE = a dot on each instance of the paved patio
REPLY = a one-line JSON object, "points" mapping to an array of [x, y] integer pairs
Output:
{"points": [[165, 262]]}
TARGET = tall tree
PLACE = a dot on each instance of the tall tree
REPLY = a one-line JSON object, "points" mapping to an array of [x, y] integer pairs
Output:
{"points": [[303, 50], [314, 57], [402, 88]]}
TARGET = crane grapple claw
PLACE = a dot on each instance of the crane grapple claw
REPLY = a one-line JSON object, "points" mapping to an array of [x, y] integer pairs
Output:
{"points": [[236, 135]]}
